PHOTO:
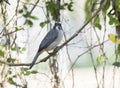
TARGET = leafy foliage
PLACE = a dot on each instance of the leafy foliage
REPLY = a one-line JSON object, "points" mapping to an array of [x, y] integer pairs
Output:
{"points": [[96, 22], [19, 28], [27, 15], [106, 7], [90, 7], [34, 17], [1, 53], [27, 72], [69, 6], [52, 7], [42, 24], [23, 49], [11, 81], [99, 58], [116, 64], [10, 60], [114, 38], [30, 23], [107, 12], [113, 20], [118, 5]]}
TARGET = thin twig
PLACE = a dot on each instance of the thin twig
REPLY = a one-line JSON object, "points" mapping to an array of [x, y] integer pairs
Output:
{"points": [[92, 59], [83, 54], [72, 71], [32, 10]]}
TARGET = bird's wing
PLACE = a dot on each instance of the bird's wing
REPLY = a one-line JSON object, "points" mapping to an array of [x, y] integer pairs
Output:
{"points": [[49, 38]]}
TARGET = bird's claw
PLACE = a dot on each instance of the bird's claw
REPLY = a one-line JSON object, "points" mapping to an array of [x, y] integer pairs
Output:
{"points": [[56, 49]]}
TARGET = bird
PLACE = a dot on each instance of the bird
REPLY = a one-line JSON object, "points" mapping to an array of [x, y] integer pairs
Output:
{"points": [[50, 41]]}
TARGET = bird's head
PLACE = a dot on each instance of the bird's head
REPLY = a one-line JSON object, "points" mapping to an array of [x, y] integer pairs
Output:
{"points": [[57, 26]]}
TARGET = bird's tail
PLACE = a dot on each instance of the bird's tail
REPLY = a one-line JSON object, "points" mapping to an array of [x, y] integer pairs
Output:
{"points": [[34, 60]]}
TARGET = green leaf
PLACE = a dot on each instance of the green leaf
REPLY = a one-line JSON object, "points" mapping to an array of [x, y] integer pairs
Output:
{"points": [[20, 11], [87, 9], [63, 6], [99, 58], [30, 23], [9, 72], [34, 72], [10, 60], [19, 28], [116, 64], [14, 76], [98, 25], [113, 38], [51, 8], [42, 24], [96, 22], [106, 7], [1, 53], [14, 48], [118, 49], [25, 7], [70, 5], [11, 81], [22, 71], [25, 71], [113, 20], [0, 64], [118, 5], [23, 49], [27, 14], [34, 17]]}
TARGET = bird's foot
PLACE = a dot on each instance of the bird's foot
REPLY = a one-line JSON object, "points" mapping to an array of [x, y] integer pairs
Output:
{"points": [[50, 53], [56, 49]]}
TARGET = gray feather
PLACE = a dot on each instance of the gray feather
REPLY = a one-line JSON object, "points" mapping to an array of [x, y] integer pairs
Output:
{"points": [[34, 60], [49, 38]]}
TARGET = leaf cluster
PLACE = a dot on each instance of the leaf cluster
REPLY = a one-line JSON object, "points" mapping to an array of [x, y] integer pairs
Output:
{"points": [[27, 15], [52, 7], [91, 6]]}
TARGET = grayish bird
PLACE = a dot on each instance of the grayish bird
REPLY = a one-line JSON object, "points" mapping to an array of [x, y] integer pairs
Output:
{"points": [[50, 41]]}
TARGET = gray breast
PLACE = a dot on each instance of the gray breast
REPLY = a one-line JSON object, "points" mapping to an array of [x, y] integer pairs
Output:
{"points": [[56, 41], [49, 38]]}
